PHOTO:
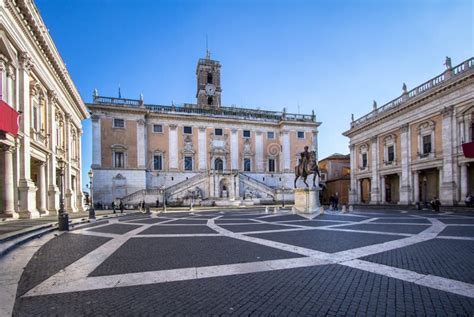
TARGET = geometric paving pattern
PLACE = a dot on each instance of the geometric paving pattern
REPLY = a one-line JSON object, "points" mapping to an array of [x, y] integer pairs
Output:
{"points": [[252, 263]]}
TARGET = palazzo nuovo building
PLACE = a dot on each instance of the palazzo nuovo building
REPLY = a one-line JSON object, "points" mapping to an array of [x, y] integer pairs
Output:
{"points": [[202, 153], [35, 84], [410, 150]]}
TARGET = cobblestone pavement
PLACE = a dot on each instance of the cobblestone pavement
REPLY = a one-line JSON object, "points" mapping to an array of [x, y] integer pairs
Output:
{"points": [[372, 263]]}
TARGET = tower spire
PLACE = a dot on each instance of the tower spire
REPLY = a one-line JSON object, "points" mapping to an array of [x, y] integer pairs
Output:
{"points": [[208, 54]]}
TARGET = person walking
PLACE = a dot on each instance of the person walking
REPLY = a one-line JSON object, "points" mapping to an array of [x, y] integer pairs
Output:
{"points": [[113, 205], [336, 201], [435, 203], [468, 200], [121, 207]]}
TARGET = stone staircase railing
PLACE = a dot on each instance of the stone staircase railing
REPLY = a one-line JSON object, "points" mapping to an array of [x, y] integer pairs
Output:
{"points": [[258, 185], [185, 185]]}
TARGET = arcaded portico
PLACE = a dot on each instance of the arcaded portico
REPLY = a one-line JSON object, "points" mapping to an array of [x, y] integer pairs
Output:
{"points": [[34, 82], [411, 149]]}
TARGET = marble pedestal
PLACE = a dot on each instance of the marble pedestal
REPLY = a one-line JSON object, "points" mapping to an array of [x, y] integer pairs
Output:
{"points": [[307, 201]]}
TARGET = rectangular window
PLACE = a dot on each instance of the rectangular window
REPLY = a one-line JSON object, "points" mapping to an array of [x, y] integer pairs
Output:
{"points": [[158, 162], [119, 161], [271, 165], [364, 160], [119, 123], [426, 144], [188, 163], [246, 133], [187, 130], [218, 131], [391, 153], [157, 128], [300, 134], [247, 165], [270, 135]]}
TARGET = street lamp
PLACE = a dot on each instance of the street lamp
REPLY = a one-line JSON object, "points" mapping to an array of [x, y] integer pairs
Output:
{"points": [[91, 201], [63, 217]]}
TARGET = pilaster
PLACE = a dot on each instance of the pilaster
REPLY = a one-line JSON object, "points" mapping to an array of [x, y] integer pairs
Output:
{"points": [[96, 141], [202, 153], [405, 190], [353, 190], [374, 195], [173, 146], [259, 160], [285, 144], [141, 136], [234, 149], [448, 186]]}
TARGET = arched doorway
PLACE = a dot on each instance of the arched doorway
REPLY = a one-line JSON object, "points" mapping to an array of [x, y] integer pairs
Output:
{"points": [[224, 188], [218, 164]]}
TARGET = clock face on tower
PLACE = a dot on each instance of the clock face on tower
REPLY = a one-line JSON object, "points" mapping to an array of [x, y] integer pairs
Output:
{"points": [[210, 89]]}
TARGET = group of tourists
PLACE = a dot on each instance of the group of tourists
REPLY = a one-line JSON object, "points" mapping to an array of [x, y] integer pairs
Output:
{"points": [[334, 201], [119, 206], [469, 200]]}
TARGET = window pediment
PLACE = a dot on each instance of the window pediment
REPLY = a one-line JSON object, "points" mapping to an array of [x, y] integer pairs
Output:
{"points": [[118, 147]]}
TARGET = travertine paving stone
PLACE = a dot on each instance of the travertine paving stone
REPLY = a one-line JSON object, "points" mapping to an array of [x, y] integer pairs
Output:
{"points": [[387, 228], [459, 231], [190, 269], [453, 259], [324, 290], [177, 229], [115, 228], [254, 227], [56, 255], [327, 241], [151, 254]]}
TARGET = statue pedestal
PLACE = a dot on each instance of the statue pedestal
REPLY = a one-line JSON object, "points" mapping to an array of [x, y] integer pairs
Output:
{"points": [[307, 201]]}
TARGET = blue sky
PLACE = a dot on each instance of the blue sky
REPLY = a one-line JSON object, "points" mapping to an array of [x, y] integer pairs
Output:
{"points": [[334, 57]]}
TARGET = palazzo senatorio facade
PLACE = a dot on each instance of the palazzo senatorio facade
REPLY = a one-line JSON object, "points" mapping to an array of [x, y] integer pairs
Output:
{"points": [[411, 149], [35, 82], [203, 152]]}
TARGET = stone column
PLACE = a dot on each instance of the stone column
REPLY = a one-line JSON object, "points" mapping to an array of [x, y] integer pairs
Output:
{"points": [[354, 189], [416, 186], [8, 183], [359, 190], [259, 159], [53, 190], [26, 186], [448, 185], [173, 147], [96, 142], [405, 190], [464, 182], [382, 190], [285, 143], [141, 135], [202, 149], [79, 195], [68, 191], [374, 191], [234, 150], [42, 189]]}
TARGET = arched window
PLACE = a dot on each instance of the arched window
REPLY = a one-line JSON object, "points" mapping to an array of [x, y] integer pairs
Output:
{"points": [[218, 164], [209, 101], [209, 78]]}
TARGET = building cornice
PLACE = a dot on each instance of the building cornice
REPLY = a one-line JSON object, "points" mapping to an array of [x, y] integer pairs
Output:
{"points": [[29, 19], [416, 97]]}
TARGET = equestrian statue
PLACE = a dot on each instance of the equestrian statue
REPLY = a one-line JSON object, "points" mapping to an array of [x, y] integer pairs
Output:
{"points": [[308, 165]]}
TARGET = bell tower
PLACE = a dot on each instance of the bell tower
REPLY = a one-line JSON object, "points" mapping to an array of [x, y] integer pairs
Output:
{"points": [[208, 73]]}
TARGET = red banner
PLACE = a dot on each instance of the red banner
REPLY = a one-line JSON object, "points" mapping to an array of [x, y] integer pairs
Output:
{"points": [[8, 118], [468, 149]]}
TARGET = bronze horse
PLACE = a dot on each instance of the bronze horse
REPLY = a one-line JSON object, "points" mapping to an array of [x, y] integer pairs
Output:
{"points": [[311, 167]]}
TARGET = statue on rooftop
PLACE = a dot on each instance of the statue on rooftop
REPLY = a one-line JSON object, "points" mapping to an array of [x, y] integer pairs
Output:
{"points": [[447, 63], [404, 88]]}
